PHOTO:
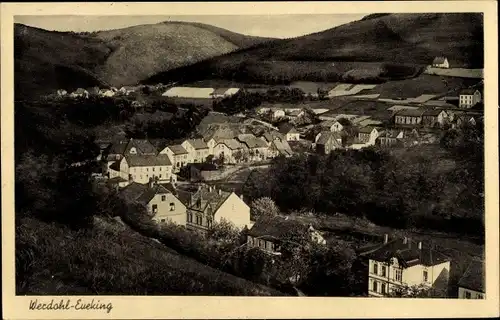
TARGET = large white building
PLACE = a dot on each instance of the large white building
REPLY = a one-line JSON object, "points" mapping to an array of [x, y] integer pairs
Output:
{"points": [[471, 285], [401, 263]]}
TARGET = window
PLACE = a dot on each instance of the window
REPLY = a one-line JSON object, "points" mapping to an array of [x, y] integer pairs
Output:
{"points": [[162, 220], [479, 296], [384, 288], [190, 217], [163, 198], [172, 206], [375, 286], [425, 276], [155, 208], [147, 169], [209, 222], [375, 268], [467, 295], [384, 274], [398, 275], [153, 169], [160, 175]]}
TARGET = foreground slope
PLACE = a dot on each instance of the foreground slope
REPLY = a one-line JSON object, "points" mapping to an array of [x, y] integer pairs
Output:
{"points": [[404, 39], [46, 60], [111, 259]]}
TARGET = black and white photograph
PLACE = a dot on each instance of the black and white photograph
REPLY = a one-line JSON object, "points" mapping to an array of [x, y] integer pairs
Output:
{"points": [[285, 155]]}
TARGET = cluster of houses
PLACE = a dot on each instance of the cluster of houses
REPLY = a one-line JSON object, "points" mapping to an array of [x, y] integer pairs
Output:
{"points": [[100, 92]]}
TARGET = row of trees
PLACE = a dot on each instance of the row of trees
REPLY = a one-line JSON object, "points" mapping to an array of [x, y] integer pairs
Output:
{"points": [[417, 188]]}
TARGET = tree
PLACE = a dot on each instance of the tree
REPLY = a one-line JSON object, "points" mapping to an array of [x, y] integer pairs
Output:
{"points": [[263, 207], [414, 291]]}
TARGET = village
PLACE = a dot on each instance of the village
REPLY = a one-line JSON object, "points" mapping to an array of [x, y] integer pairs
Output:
{"points": [[180, 182]]}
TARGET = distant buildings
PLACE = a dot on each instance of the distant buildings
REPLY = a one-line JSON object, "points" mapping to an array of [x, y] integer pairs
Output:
{"points": [[327, 141], [472, 284], [400, 263], [440, 62], [469, 98], [411, 117], [289, 131]]}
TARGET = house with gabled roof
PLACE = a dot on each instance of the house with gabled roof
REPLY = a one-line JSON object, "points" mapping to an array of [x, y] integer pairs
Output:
{"points": [[326, 141], [210, 205], [277, 144], [390, 137], [289, 131], [142, 168], [368, 134], [472, 284], [440, 62], [177, 155], [161, 204], [408, 117], [434, 118], [197, 149], [269, 234], [257, 148], [226, 149], [402, 262], [467, 98]]}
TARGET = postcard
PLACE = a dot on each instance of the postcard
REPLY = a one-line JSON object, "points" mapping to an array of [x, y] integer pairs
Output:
{"points": [[249, 160]]}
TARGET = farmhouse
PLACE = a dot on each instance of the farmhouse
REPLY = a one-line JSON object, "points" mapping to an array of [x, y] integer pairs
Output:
{"points": [[469, 98], [177, 155], [270, 234], [398, 263], [227, 150], [368, 134], [197, 149], [440, 62], [390, 137], [142, 168], [258, 149], [327, 141], [332, 125], [463, 120], [277, 144], [289, 131], [161, 204], [209, 204], [411, 117], [471, 285], [433, 118]]}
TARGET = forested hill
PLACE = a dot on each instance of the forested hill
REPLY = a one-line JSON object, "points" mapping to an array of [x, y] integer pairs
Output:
{"points": [[49, 60], [403, 38]]}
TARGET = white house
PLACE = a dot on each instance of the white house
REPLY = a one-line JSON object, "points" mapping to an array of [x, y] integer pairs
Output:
{"points": [[162, 205], [469, 98], [209, 204], [440, 62], [198, 150], [289, 131], [177, 155], [472, 283], [368, 135], [142, 168], [400, 263]]}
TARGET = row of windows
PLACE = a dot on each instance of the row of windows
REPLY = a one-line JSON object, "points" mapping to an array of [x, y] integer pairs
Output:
{"points": [[383, 271], [155, 206], [468, 295], [141, 169], [262, 244], [407, 120], [199, 220], [147, 176], [380, 287]]}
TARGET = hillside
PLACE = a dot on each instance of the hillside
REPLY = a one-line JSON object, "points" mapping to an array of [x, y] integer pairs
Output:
{"points": [[48, 60], [409, 39], [112, 259]]}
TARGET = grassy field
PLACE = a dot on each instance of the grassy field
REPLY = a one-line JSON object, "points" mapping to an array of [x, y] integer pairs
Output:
{"points": [[111, 259], [456, 72]]}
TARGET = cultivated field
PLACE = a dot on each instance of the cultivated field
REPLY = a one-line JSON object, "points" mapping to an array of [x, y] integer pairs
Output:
{"points": [[456, 72]]}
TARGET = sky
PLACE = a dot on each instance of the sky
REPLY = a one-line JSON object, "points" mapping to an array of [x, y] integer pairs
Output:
{"points": [[275, 26]]}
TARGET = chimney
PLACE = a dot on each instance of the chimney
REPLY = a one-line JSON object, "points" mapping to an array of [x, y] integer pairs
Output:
{"points": [[420, 245], [241, 197], [386, 238], [219, 192], [405, 240]]}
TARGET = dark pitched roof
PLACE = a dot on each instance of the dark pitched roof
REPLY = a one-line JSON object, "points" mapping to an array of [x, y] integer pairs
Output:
{"points": [[143, 146], [326, 136], [410, 112], [219, 91], [438, 60], [283, 147], [408, 254], [473, 277], [367, 129], [142, 192], [251, 141], [276, 228], [177, 149], [118, 147], [287, 128], [468, 92], [148, 160], [206, 196], [433, 113]]}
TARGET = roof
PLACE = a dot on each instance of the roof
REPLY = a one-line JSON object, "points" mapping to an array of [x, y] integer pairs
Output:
{"points": [[325, 136], [198, 144], [220, 132], [252, 141], [189, 92], [433, 113], [142, 192], [367, 129], [438, 60], [287, 128], [408, 254], [410, 112], [232, 144], [143, 146], [390, 133], [177, 149], [147, 160], [276, 228], [207, 195], [468, 92], [219, 91], [473, 277]]}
